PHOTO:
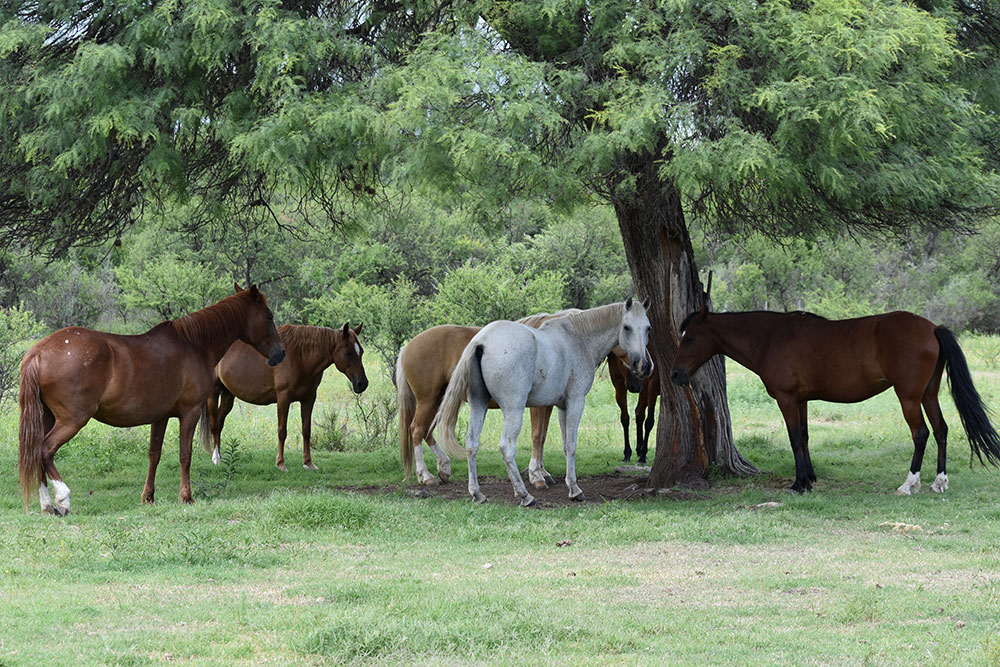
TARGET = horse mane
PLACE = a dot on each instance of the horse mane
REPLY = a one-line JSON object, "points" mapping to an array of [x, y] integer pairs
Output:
{"points": [[595, 319], [214, 323], [797, 313], [538, 319], [304, 337]]}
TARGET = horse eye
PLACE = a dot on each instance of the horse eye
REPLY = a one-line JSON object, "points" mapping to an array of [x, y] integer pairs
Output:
{"points": [[627, 329]]}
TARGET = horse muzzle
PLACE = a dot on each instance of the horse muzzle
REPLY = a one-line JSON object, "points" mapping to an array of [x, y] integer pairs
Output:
{"points": [[276, 357], [359, 384], [680, 377]]}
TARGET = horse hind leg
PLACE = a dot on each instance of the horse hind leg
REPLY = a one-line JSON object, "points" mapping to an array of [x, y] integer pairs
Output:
{"points": [[58, 435], [537, 474], [418, 433], [919, 432], [936, 418], [477, 415], [512, 421]]}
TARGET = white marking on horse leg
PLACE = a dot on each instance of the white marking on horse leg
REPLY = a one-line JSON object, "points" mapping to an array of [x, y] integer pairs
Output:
{"points": [[911, 485], [940, 484], [61, 497], [45, 500], [443, 462], [536, 474], [216, 456], [424, 475]]}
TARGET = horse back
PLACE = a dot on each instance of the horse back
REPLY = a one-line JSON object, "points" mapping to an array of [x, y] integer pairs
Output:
{"points": [[850, 360], [523, 364], [429, 359], [120, 380]]}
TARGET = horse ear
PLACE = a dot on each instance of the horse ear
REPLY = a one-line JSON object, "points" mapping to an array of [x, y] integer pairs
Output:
{"points": [[346, 328], [254, 292], [237, 286], [645, 303], [357, 329], [628, 303]]}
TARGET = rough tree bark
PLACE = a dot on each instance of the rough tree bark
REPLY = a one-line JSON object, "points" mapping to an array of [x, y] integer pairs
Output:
{"points": [[694, 429]]}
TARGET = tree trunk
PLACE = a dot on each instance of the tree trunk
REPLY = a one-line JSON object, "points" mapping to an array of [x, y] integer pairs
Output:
{"points": [[694, 429]]}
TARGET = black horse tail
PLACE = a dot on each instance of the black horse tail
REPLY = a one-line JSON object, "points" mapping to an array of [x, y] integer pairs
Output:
{"points": [[982, 436]]}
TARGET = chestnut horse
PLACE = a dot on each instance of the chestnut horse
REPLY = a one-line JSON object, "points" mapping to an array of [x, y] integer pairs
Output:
{"points": [[648, 391], [310, 351], [423, 369], [77, 374], [803, 357]]}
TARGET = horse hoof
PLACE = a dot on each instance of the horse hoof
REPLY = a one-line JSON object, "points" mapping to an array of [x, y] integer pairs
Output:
{"points": [[578, 498], [549, 479], [430, 481], [479, 498], [309, 466], [540, 484], [60, 511], [444, 477], [148, 499], [528, 501], [282, 468]]}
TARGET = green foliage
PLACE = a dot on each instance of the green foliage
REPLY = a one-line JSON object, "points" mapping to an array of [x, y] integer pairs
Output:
{"points": [[18, 327]]}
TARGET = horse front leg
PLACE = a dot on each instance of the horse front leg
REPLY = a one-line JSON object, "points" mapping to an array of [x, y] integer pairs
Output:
{"points": [[283, 406], [569, 422], [305, 410], [156, 431], [537, 474], [188, 423], [791, 411]]}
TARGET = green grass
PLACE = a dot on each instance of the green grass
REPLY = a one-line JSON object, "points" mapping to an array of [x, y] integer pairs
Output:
{"points": [[288, 568]]}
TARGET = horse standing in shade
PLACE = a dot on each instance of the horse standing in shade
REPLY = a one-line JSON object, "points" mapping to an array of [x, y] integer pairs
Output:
{"points": [[310, 351], [517, 366], [648, 391], [77, 374], [803, 357], [423, 369]]}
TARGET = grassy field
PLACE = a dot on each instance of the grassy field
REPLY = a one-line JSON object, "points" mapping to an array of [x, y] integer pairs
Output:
{"points": [[289, 568]]}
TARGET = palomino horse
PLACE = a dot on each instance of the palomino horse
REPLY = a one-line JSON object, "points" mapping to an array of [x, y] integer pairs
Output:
{"points": [[77, 374], [423, 370], [648, 391], [803, 357], [310, 351], [517, 366]]}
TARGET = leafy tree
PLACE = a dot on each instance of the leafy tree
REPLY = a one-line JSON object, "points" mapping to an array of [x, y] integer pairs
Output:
{"points": [[17, 327]]}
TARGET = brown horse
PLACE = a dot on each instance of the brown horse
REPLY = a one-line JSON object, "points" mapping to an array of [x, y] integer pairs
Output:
{"points": [[648, 390], [310, 351], [78, 374], [423, 370], [802, 357]]}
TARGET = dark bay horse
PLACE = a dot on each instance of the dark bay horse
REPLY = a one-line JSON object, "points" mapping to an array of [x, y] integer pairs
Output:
{"points": [[310, 350], [802, 357], [423, 370], [648, 391], [77, 374]]}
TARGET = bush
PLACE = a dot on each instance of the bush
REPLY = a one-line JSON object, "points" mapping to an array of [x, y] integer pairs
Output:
{"points": [[17, 329]]}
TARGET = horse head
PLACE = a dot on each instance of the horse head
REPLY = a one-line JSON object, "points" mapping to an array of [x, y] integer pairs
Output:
{"points": [[260, 332], [633, 337], [347, 357], [696, 347]]}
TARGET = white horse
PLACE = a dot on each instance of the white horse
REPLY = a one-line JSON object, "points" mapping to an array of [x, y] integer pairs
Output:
{"points": [[518, 366]]}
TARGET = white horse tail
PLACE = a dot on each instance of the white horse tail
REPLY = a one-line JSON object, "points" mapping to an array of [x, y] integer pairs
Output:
{"points": [[454, 395], [406, 404]]}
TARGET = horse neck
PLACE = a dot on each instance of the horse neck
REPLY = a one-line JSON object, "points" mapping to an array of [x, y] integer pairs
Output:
{"points": [[597, 329], [738, 338], [214, 328], [315, 347]]}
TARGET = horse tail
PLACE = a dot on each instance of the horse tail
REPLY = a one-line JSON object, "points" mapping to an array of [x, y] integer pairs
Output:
{"points": [[406, 404], [31, 432], [982, 436], [458, 388]]}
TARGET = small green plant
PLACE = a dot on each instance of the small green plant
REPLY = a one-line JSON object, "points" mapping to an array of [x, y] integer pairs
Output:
{"points": [[378, 419], [330, 430]]}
